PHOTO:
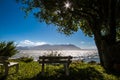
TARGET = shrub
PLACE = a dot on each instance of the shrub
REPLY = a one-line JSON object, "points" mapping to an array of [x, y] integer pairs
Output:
{"points": [[92, 62], [53, 53], [7, 49], [26, 59]]}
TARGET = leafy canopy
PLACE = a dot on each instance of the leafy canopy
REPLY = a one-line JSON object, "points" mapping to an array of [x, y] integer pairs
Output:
{"points": [[92, 16]]}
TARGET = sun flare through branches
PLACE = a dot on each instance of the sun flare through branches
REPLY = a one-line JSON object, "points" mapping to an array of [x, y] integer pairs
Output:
{"points": [[67, 4]]}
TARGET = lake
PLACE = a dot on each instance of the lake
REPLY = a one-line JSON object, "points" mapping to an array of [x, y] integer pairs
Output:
{"points": [[83, 54]]}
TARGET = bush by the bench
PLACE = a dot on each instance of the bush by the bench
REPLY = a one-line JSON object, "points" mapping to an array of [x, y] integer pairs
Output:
{"points": [[26, 59]]}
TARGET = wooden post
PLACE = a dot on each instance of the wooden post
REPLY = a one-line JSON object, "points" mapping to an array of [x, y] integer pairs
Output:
{"points": [[6, 68], [17, 67], [43, 66], [66, 69]]}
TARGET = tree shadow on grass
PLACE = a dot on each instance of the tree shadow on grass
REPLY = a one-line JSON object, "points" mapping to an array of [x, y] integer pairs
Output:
{"points": [[2, 76], [89, 73]]}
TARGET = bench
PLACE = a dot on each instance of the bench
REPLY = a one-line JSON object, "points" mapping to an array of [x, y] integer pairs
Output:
{"points": [[6, 65], [65, 60]]}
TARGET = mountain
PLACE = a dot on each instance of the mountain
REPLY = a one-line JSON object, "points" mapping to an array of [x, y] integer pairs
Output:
{"points": [[50, 47]]}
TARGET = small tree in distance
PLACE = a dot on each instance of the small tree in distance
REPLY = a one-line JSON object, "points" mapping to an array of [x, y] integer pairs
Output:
{"points": [[7, 49]]}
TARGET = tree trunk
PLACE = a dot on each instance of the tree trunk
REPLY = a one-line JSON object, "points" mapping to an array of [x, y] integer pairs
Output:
{"points": [[109, 55], [108, 49]]}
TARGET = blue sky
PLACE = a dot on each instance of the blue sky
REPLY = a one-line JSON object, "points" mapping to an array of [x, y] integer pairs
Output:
{"points": [[29, 31]]}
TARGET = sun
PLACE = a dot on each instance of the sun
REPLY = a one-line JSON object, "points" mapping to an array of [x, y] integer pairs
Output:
{"points": [[67, 4]]}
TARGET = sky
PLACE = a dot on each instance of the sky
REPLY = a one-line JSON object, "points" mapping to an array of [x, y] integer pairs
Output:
{"points": [[30, 32]]}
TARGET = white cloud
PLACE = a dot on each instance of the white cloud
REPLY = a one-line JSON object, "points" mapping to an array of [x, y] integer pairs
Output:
{"points": [[30, 43]]}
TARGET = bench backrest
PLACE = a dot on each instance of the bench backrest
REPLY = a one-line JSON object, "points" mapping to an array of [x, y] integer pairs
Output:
{"points": [[54, 59]]}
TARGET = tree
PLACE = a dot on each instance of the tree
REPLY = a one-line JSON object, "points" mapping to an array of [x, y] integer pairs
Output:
{"points": [[7, 49], [96, 18]]}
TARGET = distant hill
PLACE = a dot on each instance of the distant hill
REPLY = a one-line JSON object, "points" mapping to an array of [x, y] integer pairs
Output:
{"points": [[50, 47]]}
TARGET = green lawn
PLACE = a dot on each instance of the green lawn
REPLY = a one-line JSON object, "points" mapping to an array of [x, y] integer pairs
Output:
{"points": [[78, 71]]}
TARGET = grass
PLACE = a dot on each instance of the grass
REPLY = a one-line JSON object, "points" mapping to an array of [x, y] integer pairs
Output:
{"points": [[78, 71]]}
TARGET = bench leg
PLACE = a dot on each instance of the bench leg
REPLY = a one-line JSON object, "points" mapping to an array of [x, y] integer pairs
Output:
{"points": [[6, 70], [17, 67], [42, 69], [66, 66]]}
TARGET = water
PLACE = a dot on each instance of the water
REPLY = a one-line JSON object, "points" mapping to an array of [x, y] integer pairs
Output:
{"points": [[86, 55]]}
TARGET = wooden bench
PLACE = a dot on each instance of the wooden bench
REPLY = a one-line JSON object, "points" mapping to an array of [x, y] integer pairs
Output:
{"points": [[65, 60], [6, 65]]}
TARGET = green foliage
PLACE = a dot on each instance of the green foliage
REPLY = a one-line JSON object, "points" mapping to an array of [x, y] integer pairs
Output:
{"points": [[26, 71], [78, 71], [118, 35], [26, 59], [7, 49], [88, 15], [53, 54]]}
